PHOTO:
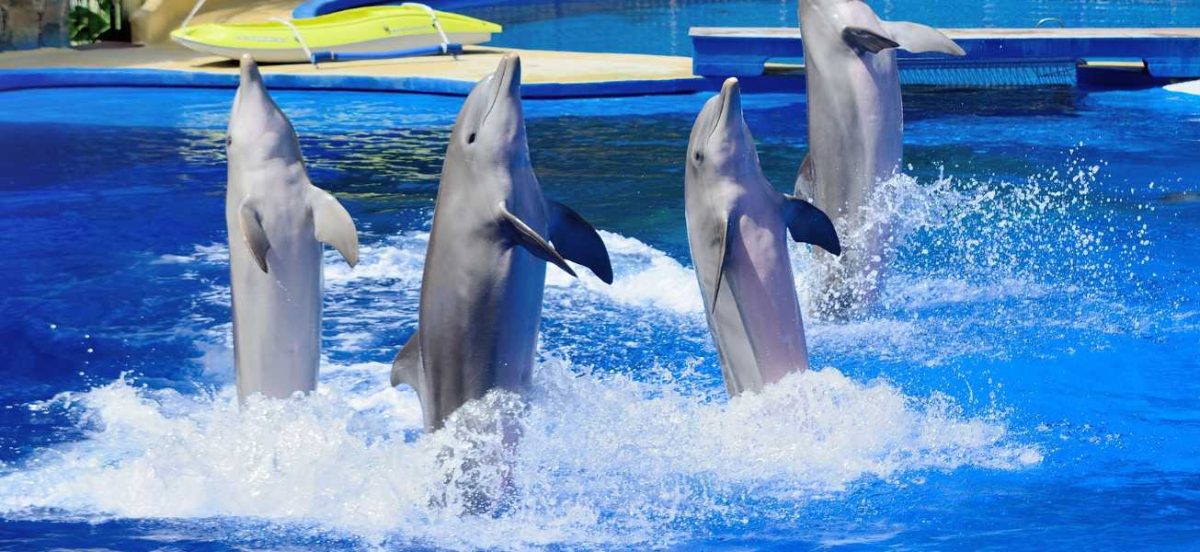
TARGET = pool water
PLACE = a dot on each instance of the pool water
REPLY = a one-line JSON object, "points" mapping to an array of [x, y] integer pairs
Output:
{"points": [[1028, 380], [662, 25]]}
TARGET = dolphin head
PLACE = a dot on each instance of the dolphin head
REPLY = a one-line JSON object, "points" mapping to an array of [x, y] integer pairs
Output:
{"points": [[721, 145], [490, 128], [258, 130]]}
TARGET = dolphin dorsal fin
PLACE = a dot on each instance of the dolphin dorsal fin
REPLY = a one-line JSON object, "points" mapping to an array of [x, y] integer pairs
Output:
{"points": [[578, 241], [806, 179], [250, 223], [918, 38], [862, 39], [808, 224], [332, 224], [407, 367], [531, 240]]}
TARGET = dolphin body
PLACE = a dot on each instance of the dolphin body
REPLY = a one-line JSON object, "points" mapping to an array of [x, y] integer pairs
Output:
{"points": [[485, 269], [737, 232], [276, 221], [855, 132]]}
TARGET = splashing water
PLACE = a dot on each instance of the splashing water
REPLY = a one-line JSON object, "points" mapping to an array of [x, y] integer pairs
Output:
{"points": [[602, 460], [606, 458]]}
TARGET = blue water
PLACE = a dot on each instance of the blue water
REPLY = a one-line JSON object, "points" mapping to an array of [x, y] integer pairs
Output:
{"points": [[1028, 382], [661, 26]]}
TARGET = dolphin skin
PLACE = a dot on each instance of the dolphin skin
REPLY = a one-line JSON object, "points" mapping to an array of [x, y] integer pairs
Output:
{"points": [[855, 133], [737, 231], [277, 221], [485, 269]]}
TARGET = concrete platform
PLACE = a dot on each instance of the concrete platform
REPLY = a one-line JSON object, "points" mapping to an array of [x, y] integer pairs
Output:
{"points": [[545, 73], [1023, 56]]}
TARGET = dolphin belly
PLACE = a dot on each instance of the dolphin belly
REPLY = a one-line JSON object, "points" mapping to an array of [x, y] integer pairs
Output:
{"points": [[760, 278], [739, 368], [855, 143], [480, 310], [276, 316]]}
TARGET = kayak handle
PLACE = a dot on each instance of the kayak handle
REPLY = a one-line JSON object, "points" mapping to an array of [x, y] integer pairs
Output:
{"points": [[450, 48], [436, 25]]}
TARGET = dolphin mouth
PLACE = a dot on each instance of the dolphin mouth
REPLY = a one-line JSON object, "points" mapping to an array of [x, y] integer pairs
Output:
{"points": [[507, 81], [730, 100]]}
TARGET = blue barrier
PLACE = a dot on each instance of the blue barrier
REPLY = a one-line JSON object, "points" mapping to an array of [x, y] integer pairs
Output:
{"points": [[1165, 53]]}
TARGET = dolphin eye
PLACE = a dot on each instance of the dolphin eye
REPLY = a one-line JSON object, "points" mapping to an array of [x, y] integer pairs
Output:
{"points": [[471, 138], [228, 140], [698, 156]]}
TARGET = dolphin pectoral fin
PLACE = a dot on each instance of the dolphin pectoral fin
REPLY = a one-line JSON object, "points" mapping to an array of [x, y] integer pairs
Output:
{"points": [[406, 368], [918, 38], [867, 40], [333, 225], [722, 254], [578, 241], [252, 231], [807, 224], [805, 179], [532, 242]]}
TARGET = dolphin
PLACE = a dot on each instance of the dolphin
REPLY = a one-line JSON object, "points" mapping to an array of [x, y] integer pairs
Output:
{"points": [[485, 268], [855, 132], [276, 221], [737, 227]]}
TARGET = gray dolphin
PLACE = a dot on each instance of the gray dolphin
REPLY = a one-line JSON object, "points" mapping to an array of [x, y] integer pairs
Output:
{"points": [[855, 131], [276, 221], [737, 232], [485, 269]]}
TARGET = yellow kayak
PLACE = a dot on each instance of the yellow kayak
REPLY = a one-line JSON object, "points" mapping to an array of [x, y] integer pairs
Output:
{"points": [[358, 30]]}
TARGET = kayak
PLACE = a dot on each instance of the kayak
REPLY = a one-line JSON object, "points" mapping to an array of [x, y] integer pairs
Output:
{"points": [[366, 30]]}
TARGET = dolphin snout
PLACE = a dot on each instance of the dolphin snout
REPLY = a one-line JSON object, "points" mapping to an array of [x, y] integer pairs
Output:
{"points": [[729, 119], [249, 69], [731, 97], [508, 74]]}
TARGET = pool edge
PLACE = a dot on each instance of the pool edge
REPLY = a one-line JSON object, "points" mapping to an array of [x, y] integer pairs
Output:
{"points": [[75, 77]]}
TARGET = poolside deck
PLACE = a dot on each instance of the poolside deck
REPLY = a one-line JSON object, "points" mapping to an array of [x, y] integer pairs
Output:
{"points": [[545, 73]]}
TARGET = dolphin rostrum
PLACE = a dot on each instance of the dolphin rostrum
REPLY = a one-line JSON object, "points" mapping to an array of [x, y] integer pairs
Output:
{"points": [[276, 221], [485, 269], [855, 132], [737, 231]]}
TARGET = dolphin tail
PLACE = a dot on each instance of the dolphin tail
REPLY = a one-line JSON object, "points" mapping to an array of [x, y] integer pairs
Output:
{"points": [[406, 368], [333, 224], [578, 241], [918, 38], [534, 243], [809, 224]]}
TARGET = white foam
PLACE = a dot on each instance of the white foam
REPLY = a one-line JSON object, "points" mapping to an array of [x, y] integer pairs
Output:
{"points": [[1187, 87], [642, 276], [345, 458]]}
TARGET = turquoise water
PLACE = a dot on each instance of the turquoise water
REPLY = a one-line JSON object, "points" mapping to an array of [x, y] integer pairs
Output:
{"points": [[661, 26], [1027, 383]]}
